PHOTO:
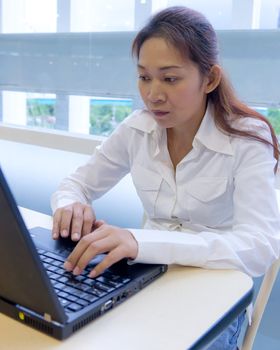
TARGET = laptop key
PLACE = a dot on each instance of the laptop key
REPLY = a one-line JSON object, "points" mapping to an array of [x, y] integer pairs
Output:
{"points": [[61, 271], [82, 302], [52, 268], [58, 285], [62, 279], [57, 263], [71, 297], [74, 307], [104, 287], [54, 256], [46, 264], [62, 294], [77, 292], [69, 290], [84, 287], [73, 283], [89, 297], [47, 260], [53, 276], [97, 292], [64, 302], [107, 281], [89, 281], [79, 278]]}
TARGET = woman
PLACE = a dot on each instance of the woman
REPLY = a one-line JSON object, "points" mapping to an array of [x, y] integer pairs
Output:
{"points": [[203, 165]]}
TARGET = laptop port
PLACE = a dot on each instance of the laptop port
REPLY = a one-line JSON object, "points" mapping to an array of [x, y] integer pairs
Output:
{"points": [[108, 305]]}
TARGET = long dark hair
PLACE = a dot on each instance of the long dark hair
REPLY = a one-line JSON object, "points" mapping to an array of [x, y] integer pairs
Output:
{"points": [[192, 34]]}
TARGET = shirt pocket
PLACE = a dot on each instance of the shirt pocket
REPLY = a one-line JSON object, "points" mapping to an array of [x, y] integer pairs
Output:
{"points": [[209, 200], [147, 184]]}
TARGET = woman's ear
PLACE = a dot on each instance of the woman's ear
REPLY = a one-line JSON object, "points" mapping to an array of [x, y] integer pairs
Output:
{"points": [[214, 78]]}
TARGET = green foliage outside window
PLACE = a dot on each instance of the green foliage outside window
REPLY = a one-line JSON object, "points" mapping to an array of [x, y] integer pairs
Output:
{"points": [[106, 115], [40, 112], [273, 115]]}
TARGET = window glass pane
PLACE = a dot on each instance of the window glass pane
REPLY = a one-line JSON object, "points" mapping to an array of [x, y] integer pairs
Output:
{"points": [[83, 114], [273, 115], [28, 16], [101, 16], [106, 114], [219, 12], [41, 110], [232, 14], [67, 103]]}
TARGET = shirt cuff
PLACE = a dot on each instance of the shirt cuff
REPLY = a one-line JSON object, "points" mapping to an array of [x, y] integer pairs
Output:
{"points": [[59, 203], [169, 247]]}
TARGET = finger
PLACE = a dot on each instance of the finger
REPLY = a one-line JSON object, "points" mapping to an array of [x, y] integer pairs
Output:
{"points": [[66, 217], [89, 218], [56, 224], [81, 260], [77, 222], [111, 258], [75, 255], [98, 224]]}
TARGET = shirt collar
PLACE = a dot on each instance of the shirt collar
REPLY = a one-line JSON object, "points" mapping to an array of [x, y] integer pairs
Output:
{"points": [[142, 120], [210, 136]]}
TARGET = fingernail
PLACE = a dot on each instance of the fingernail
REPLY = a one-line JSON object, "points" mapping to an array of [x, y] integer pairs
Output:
{"points": [[64, 233], [68, 266], [75, 236], [76, 271], [92, 274], [55, 235]]}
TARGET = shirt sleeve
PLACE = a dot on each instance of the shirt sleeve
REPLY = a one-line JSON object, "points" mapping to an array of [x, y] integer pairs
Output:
{"points": [[251, 245], [108, 164]]}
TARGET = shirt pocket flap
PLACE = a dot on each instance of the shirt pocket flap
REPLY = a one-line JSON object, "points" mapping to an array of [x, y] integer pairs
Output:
{"points": [[206, 189], [145, 179]]}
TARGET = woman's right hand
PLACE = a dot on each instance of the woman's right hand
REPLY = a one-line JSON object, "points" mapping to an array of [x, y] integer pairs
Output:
{"points": [[75, 220]]}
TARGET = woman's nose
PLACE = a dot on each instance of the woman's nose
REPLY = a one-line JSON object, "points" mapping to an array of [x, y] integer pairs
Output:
{"points": [[155, 93]]}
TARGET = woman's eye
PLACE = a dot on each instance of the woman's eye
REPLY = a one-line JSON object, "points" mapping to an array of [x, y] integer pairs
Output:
{"points": [[143, 78], [170, 79]]}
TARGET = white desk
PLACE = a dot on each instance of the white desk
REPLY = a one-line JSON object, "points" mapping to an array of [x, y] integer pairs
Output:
{"points": [[170, 314]]}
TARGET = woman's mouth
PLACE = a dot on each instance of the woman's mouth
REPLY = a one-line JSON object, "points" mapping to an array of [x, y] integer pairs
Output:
{"points": [[159, 113]]}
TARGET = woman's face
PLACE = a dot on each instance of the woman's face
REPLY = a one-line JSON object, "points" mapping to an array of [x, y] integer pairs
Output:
{"points": [[171, 86]]}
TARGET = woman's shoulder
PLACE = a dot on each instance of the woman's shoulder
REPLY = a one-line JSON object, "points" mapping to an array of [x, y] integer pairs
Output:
{"points": [[249, 123], [253, 126]]}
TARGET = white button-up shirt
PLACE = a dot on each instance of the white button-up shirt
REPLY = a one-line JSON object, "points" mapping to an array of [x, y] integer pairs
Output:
{"points": [[217, 210]]}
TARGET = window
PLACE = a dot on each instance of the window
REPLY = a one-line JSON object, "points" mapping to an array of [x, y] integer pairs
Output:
{"points": [[106, 114], [67, 66], [273, 115], [40, 110]]}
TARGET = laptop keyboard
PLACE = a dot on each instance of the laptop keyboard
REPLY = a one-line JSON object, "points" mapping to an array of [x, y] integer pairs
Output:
{"points": [[77, 292]]}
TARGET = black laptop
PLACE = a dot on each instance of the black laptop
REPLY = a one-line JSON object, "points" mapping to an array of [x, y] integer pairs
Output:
{"points": [[37, 291]]}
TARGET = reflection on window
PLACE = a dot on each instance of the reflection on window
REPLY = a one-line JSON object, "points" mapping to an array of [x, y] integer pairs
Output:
{"points": [[106, 114], [40, 111]]}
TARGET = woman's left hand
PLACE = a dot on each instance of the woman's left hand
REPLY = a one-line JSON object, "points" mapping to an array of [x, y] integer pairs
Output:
{"points": [[118, 243]]}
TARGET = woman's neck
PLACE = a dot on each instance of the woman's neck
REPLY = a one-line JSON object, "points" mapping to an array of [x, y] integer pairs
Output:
{"points": [[180, 140]]}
